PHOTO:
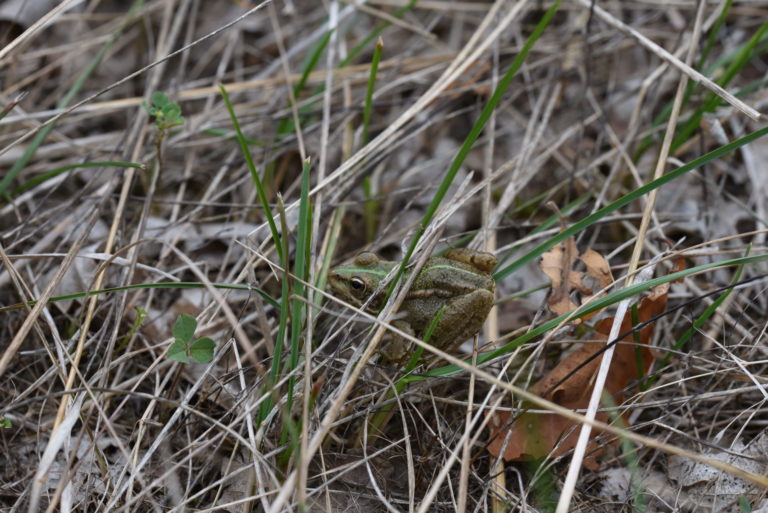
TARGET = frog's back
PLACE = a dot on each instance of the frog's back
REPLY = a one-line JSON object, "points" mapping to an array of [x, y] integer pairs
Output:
{"points": [[444, 273]]}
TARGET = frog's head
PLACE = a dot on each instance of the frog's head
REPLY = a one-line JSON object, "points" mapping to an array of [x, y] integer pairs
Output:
{"points": [[356, 282]]}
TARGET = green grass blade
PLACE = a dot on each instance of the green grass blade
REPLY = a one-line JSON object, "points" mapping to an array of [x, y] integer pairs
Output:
{"points": [[282, 250], [56, 172], [282, 326], [371, 206], [299, 305], [714, 32], [301, 272], [368, 107], [255, 177], [311, 63]]}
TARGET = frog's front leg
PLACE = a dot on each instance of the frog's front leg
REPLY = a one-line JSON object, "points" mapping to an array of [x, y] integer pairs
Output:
{"points": [[461, 318], [394, 347]]}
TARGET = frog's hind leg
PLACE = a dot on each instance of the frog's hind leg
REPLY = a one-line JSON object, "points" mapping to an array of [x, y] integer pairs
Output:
{"points": [[478, 259], [461, 318]]}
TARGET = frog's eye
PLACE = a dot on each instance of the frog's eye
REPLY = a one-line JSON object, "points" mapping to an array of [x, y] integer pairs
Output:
{"points": [[357, 284]]}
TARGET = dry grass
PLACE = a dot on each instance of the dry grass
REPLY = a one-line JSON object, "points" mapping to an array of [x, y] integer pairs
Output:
{"points": [[99, 419]]}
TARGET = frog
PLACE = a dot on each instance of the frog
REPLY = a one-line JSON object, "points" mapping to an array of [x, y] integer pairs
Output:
{"points": [[458, 284]]}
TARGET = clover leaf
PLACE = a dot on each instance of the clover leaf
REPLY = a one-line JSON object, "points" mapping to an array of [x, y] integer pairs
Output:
{"points": [[183, 348]]}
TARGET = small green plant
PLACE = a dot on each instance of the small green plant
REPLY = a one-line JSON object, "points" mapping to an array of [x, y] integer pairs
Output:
{"points": [[744, 505], [5, 423], [182, 349], [166, 113]]}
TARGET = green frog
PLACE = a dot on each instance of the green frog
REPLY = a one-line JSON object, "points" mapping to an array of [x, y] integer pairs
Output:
{"points": [[459, 283]]}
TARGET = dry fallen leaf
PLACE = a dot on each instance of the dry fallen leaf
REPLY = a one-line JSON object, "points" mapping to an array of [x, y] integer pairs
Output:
{"points": [[561, 305], [536, 435], [597, 267], [598, 270], [557, 264]]}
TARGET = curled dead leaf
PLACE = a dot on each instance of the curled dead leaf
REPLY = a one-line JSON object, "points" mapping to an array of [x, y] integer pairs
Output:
{"points": [[557, 264], [532, 435], [598, 268], [558, 261]]}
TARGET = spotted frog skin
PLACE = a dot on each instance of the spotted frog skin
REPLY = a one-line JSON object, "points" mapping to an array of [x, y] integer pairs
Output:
{"points": [[459, 283]]}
